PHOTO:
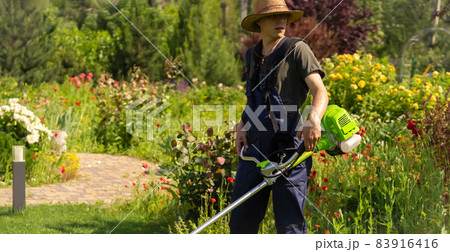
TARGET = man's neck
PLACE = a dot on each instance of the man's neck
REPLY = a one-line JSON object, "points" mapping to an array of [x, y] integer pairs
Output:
{"points": [[269, 44]]}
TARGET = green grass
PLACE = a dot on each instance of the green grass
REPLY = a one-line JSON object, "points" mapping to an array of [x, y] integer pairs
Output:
{"points": [[81, 219]]}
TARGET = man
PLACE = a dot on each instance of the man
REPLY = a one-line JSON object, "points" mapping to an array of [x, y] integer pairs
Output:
{"points": [[276, 77]]}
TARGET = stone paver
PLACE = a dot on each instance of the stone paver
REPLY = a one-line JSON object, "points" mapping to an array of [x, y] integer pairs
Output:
{"points": [[101, 177]]}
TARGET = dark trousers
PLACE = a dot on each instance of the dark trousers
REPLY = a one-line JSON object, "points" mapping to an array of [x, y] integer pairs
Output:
{"points": [[288, 202]]}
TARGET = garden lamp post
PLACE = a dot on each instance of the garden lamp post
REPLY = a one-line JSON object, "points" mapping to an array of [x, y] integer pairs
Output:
{"points": [[18, 153]]}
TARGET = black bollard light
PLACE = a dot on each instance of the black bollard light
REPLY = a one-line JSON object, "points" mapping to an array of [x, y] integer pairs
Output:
{"points": [[18, 153]]}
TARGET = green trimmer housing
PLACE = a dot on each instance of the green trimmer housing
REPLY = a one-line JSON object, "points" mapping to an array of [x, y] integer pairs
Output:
{"points": [[338, 126]]}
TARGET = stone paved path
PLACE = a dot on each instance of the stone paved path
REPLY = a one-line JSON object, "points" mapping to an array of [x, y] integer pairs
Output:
{"points": [[101, 177]]}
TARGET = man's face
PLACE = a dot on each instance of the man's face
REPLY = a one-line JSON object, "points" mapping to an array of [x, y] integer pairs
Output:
{"points": [[274, 25]]}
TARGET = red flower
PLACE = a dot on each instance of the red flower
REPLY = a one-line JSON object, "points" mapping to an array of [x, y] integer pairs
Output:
{"points": [[161, 202], [418, 182], [365, 153], [336, 214], [143, 174], [189, 181], [411, 125], [78, 103], [144, 165], [78, 86], [162, 188], [308, 214], [368, 146], [230, 179], [345, 156], [134, 184], [158, 125], [317, 226], [92, 90], [311, 188], [313, 174], [63, 170], [354, 155], [326, 232], [56, 90], [322, 153], [93, 97], [137, 191], [169, 196], [310, 179], [324, 188], [325, 179], [161, 178], [56, 134], [168, 181], [34, 156], [65, 101], [126, 186], [213, 200], [42, 118]]}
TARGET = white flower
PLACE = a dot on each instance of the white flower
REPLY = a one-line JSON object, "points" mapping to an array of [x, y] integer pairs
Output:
{"points": [[13, 100], [6, 108]]}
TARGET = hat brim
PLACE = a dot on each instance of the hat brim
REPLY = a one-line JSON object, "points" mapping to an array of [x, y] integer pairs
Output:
{"points": [[249, 22]]}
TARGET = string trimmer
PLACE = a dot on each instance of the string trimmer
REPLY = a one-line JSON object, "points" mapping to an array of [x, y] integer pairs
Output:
{"points": [[338, 137]]}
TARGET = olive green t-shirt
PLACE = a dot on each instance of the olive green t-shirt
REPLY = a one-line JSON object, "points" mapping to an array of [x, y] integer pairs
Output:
{"points": [[291, 84]]}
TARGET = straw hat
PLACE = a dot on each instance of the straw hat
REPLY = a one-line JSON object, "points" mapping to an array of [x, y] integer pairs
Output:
{"points": [[265, 8]]}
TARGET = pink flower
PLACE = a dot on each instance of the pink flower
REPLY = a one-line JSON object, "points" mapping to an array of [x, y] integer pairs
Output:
{"points": [[38, 106], [47, 102], [82, 75]]}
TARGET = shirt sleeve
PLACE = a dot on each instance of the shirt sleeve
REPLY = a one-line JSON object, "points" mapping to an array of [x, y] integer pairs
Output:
{"points": [[306, 61]]}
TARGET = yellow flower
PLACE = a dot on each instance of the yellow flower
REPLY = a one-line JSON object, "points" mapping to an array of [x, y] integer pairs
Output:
{"points": [[361, 84], [337, 69], [378, 65], [354, 86], [433, 98], [436, 94], [428, 84], [419, 81], [342, 57], [359, 97], [373, 78], [448, 73], [339, 76], [435, 74], [356, 56], [377, 84], [392, 68], [394, 91], [328, 93], [401, 87], [354, 79], [415, 106], [341, 64], [369, 57], [346, 75], [332, 76], [355, 69], [383, 78]]}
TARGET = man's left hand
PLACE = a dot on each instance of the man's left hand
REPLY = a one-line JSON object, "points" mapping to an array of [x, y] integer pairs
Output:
{"points": [[311, 135]]}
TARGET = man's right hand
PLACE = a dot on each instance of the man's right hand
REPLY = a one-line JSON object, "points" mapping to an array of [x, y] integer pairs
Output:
{"points": [[241, 138]]}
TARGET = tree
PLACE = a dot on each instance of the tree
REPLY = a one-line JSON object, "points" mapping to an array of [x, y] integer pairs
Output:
{"points": [[343, 30], [206, 53], [25, 47]]}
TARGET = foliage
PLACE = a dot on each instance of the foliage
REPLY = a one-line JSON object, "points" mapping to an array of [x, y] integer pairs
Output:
{"points": [[204, 168], [344, 30], [25, 46], [205, 52], [366, 86], [82, 51], [113, 99]]}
